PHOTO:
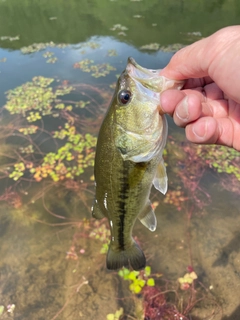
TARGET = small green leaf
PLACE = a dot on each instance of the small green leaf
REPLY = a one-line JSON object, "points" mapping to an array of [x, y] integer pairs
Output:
{"points": [[119, 313], [141, 282], [137, 289], [1, 310], [147, 271], [151, 282], [133, 275]]}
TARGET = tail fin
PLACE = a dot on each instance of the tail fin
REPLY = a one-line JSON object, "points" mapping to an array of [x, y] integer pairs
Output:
{"points": [[133, 256]]}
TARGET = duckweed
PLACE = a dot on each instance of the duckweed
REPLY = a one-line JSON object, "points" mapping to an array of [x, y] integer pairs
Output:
{"points": [[138, 279]]}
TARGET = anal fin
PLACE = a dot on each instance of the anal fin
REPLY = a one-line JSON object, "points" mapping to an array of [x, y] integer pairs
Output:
{"points": [[160, 181], [148, 218]]}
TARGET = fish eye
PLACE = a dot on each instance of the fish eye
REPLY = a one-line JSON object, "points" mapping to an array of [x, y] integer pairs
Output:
{"points": [[124, 96]]}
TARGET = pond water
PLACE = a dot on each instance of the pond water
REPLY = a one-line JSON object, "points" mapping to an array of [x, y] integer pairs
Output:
{"points": [[59, 61]]}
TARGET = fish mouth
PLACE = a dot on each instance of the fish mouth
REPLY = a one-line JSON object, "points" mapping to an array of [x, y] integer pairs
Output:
{"points": [[145, 81], [139, 71], [151, 78], [147, 77]]}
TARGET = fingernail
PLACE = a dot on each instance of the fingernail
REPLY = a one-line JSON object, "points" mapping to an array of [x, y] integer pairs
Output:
{"points": [[182, 109], [200, 129]]}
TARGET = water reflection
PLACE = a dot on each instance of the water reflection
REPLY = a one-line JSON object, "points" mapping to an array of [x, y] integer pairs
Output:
{"points": [[76, 21]]}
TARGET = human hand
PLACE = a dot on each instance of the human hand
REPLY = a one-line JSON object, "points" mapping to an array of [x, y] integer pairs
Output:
{"points": [[208, 106]]}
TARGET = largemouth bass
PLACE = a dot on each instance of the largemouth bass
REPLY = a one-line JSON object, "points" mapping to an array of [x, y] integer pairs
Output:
{"points": [[129, 160]]}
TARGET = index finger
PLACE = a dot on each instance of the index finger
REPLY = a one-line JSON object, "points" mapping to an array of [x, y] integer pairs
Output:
{"points": [[196, 83], [188, 62]]}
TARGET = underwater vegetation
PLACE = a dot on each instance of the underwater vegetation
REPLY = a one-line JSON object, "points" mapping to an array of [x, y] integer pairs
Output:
{"points": [[96, 70], [33, 101], [50, 127], [158, 47], [138, 279], [221, 159], [35, 47], [150, 300]]}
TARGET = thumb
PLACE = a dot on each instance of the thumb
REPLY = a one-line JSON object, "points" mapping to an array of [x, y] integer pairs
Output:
{"points": [[188, 62]]}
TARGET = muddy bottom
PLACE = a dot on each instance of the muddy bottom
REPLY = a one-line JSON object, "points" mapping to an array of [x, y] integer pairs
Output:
{"points": [[59, 273]]}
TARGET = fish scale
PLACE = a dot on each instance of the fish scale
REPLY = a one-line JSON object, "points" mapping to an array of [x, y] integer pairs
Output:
{"points": [[129, 161]]}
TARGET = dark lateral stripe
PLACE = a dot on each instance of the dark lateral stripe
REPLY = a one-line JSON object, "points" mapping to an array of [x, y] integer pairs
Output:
{"points": [[123, 195]]}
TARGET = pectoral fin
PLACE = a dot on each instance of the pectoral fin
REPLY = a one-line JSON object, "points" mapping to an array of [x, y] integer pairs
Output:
{"points": [[160, 181], [96, 211], [148, 218]]}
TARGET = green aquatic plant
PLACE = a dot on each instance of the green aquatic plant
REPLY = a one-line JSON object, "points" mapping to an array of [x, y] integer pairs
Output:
{"points": [[35, 99], [52, 60], [118, 27], [28, 149], [191, 162], [172, 47], [18, 171], [1, 309], [48, 54], [149, 300], [97, 70], [50, 57], [150, 46], [138, 279], [35, 47], [102, 233], [220, 158], [4, 38], [70, 160], [157, 47], [75, 150], [8, 311], [82, 104], [187, 280], [84, 65], [112, 53], [28, 130], [90, 44], [112, 85], [115, 316]]}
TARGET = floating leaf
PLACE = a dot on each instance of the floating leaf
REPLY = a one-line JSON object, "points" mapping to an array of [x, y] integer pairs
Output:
{"points": [[34, 99], [48, 54], [147, 271], [1, 310], [52, 60], [112, 53], [97, 70], [151, 282], [35, 47], [118, 27], [150, 46]]}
